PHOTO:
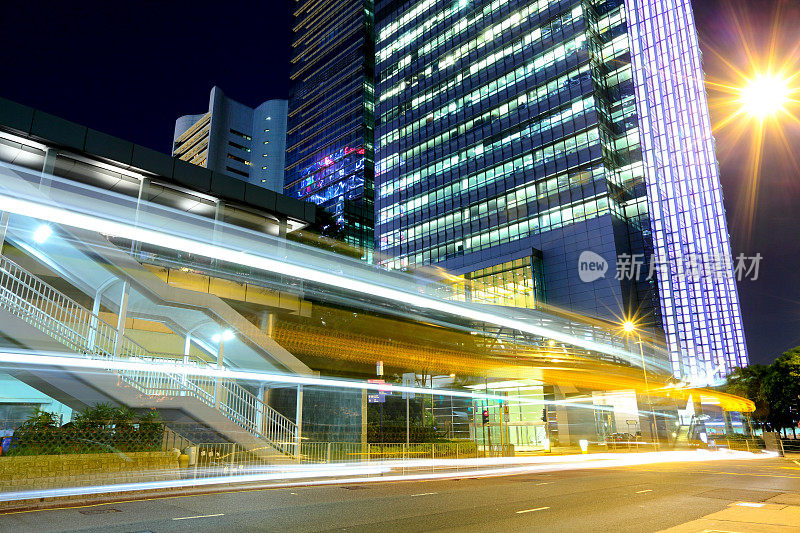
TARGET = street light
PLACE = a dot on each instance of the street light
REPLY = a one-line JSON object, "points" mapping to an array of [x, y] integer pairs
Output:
{"points": [[629, 327], [42, 233], [764, 95]]}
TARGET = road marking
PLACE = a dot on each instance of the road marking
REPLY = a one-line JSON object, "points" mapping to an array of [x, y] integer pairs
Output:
{"points": [[646, 490], [545, 483], [750, 504], [199, 516], [424, 494], [532, 510], [796, 462]]}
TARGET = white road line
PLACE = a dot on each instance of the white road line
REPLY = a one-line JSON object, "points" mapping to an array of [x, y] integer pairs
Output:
{"points": [[424, 494], [199, 516], [532, 510], [545, 483], [645, 490]]}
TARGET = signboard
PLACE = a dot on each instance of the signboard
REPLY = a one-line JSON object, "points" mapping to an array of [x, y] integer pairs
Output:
{"points": [[380, 396], [409, 379]]}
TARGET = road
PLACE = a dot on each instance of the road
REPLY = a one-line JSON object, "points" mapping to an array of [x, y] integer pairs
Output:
{"points": [[630, 499]]}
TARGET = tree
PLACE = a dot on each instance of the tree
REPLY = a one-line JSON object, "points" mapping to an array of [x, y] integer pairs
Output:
{"points": [[775, 389], [782, 389], [748, 382]]}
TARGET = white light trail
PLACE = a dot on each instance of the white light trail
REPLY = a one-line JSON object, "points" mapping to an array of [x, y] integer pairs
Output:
{"points": [[331, 473], [60, 215], [55, 359]]}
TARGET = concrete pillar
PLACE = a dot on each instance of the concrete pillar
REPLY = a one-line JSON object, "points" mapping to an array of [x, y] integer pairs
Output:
{"points": [[219, 216], [187, 348], [267, 322], [48, 168], [649, 432], [562, 414], [726, 417], [218, 380], [3, 229], [144, 186], [261, 411], [93, 322], [121, 317]]}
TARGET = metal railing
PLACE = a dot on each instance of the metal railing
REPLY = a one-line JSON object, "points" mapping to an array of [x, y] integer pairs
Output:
{"points": [[210, 459], [65, 320], [789, 446]]}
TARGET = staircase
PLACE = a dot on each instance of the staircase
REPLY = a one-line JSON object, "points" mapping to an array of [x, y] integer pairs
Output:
{"points": [[62, 319], [683, 436]]}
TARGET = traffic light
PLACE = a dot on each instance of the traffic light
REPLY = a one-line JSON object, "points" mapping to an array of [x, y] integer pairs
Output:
{"points": [[485, 416], [544, 414]]}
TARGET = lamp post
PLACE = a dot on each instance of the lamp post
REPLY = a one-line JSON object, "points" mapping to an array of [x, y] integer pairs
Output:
{"points": [[630, 327]]}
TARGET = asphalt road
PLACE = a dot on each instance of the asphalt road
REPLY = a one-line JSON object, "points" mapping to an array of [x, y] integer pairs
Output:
{"points": [[638, 498]]}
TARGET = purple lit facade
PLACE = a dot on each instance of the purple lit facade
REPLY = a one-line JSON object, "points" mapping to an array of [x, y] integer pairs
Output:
{"points": [[700, 315]]}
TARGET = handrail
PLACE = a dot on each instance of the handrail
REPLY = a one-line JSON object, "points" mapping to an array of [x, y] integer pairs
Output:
{"points": [[68, 322]]}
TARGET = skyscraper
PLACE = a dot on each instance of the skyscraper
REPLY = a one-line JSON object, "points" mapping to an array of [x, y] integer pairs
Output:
{"points": [[232, 138], [330, 159], [518, 142]]}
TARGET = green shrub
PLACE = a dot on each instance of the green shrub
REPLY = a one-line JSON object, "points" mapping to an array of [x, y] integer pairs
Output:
{"points": [[98, 429]]}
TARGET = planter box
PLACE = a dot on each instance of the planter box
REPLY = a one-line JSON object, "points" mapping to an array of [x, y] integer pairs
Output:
{"points": [[32, 472]]}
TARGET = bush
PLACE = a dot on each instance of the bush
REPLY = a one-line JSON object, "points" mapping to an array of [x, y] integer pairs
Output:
{"points": [[98, 429]]}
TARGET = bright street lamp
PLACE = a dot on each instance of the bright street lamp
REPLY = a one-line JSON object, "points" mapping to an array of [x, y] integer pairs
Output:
{"points": [[222, 337], [764, 95], [42, 233]]}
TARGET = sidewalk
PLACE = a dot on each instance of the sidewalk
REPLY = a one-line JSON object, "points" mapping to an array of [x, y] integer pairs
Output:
{"points": [[778, 514]]}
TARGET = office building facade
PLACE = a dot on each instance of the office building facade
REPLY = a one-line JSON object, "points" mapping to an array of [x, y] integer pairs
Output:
{"points": [[330, 158], [518, 142], [232, 138]]}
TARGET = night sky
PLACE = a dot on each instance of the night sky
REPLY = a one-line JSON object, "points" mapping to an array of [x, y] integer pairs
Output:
{"points": [[131, 68]]}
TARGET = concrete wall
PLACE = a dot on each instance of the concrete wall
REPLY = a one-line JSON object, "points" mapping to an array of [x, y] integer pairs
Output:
{"points": [[29, 472]]}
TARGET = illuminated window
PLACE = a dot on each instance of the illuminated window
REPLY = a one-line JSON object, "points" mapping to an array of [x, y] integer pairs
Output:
{"points": [[240, 134]]}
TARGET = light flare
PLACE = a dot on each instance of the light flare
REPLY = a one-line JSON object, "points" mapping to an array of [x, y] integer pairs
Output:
{"points": [[765, 95]]}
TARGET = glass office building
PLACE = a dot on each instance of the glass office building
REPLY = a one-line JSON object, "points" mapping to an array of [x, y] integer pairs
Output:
{"points": [[330, 155], [518, 136]]}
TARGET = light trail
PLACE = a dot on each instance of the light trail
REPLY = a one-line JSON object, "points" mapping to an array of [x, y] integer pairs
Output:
{"points": [[56, 359], [96, 223], [534, 464], [43, 359]]}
